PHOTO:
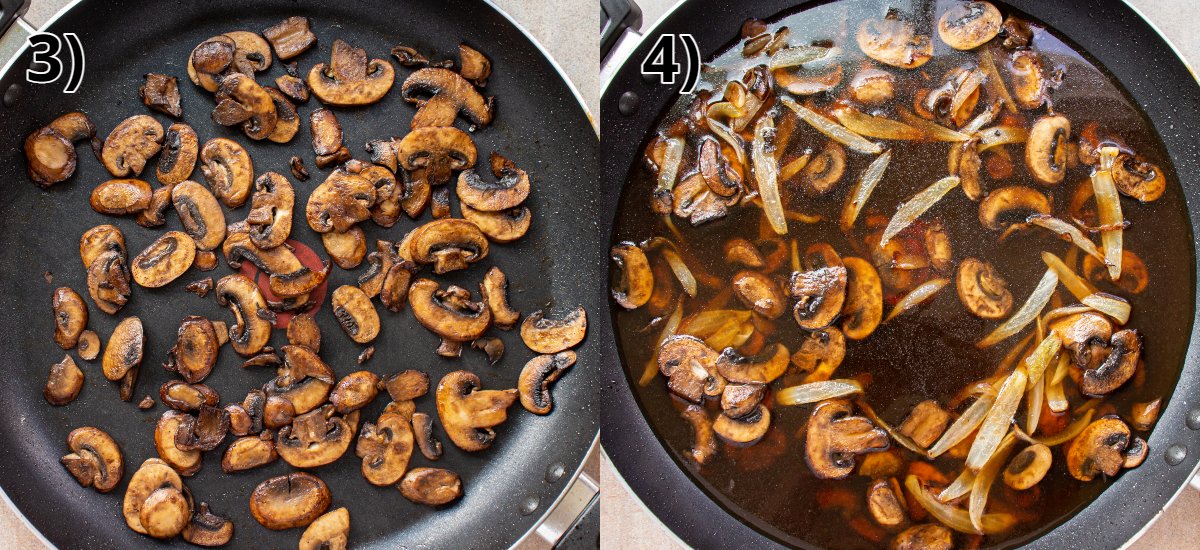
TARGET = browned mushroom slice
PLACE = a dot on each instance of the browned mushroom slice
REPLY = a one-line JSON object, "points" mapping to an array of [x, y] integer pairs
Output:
{"points": [[440, 151], [862, 310], [123, 355], [288, 277], [753, 370], [431, 486], [835, 438], [182, 396], [825, 170], [316, 438], [1028, 467], [385, 448], [121, 196], [704, 441], [248, 452], [195, 350], [50, 152], [250, 330], [347, 248], [1118, 367], [475, 66], [303, 331], [351, 78], [381, 262], [1009, 205], [406, 385], [925, 424], [287, 501], [331, 531], [88, 346], [155, 504], [207, 529], [871, 86], [290, 37], [746, 430], [327, 138], [131, 144], [441, 95], [449, 313], [227, 167], [740, 400], [449, 244], [422, 425], [287, 119], [1086, 335], [494, 289], [304, 381], [292, 87], [894, 41], [70, 316], [204, 431], [366, 354], [155, 213], [983, 290], [758, 292], [546, 336], [1046, 149], [469, 413], [968, 25], [536, 377], [170, 424], [64, 382], [342, 200], [635, 284], [200, 214], [354, 391], [98, 240], [355, 313], [690, 367], [929, 536], [505, 226], [820, 289], [508, 192], [1100, 449], [242, 90], [164, 260], [108, 281], [1138, 179], [279, 411], [886, 503], [161, 93], [209, 60], [179, 152], [251, 53], [1027, 79], [269, 222], [95, 459]]}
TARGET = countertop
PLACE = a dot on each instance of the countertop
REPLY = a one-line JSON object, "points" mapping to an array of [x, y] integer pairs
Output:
{"points": [[625, 523], [567, 32]]}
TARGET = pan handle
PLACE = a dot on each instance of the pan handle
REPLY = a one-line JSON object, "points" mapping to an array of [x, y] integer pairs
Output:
{"points": [[620, 23], [12, 37], [575, 501]]}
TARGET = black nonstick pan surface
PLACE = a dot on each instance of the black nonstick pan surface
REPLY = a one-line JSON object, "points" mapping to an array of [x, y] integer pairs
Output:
{"points": [[540, 125]]}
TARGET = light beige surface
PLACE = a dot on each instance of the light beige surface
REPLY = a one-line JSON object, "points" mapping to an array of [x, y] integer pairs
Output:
{"points": [[558, 30], [625, 522]]}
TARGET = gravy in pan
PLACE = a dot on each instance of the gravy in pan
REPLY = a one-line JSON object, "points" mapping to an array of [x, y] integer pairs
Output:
{"points": [[707, 221]]}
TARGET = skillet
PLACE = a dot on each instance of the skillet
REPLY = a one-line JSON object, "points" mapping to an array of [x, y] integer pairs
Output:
{"points": [[1153, 75], [511, 489]]}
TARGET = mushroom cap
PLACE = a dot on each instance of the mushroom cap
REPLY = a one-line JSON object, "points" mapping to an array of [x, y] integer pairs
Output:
{"points": [[250, 331], [291, 500], [121, 196], [171, 426], [757, 291], [505, 226], [439, 150], [469, 413], [1098, 449], [182, 396], [406, 385], [64, 382], [351, 79], [431, 486], [536, 377], [195, 350], [355, 313], [354, 391], [1118, 367], [448, 313], [228, 170], [690, 366], [511, 189], [746, 430], [982, 289], [328, 532], [820, 289], [248, 452], [893, 41], [740, 400], [862, 310], [1028, 467], [152, 475], [385, 448], [242, 89], [1138, 178], [449, 96], [164, 513], [316, 438], [207, 529], [1046, 149], [70, 316], [131, 144], [449, 244], [340, 202], [820, 353], [1012, 204], [968, 25], [124, 350], [100, 239], [164, 260], [749, 370], [544, 335], [95, 459], [834, 438], [1028, 79]]}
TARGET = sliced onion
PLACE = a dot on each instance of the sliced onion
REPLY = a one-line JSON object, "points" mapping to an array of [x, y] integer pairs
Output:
{"points": [[1030, 309], [1070, 432], [959, 487], [669, 328], [965, 89], [954, 517], [930, 128], [863, 188], [799, 55], [984, 479], [963, 426], [728, 136], [984, 118], [918, 296], [794, 167], [1108, 206], [1001, 135], [707, 323], [796, 256], [903, 440], [1033, 404], [1065, 311], [917, 205], [875, 126], [766, 174], [832, 129], [686, 279], [1109, 305], [997, 421], [1067, 232], [1060, 370], [669, 171], [1038, 361], [994, 84], [817, 391], [1074, 283], [1056, 397]]}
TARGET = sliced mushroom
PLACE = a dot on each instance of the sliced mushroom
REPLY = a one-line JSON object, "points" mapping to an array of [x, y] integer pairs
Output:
{"points": [[704, 441], [64, 382], [207, 528], [1143, 415], [547, 336], [894, 41], [825, 170], [862, 310], [287, 122], [250, 331], [165, 513], [968, 25], [304, 381], [204, 431], [1046, 149], [248, 452], [342, 200], [95, 459], [88, 346], [871, 86], [293, 87], [536, 377], [131, 144], [155, 213], [690, 367], [886, 503], [164, 260], [740, 400], [331, 531], [153, 475], [242, 91], [161, 93], [287, 501], [251, 53], [350, 79], [469, 413], [49, 151], [494, 289], [182, 396], [200, 214], [180, 148], [316, 438], [228, 170], [964, 161], [508, 192], [1138, 179], [121, 196], [929, 536], [210, 60], [327, 138], [70, 316], [449, 95], [303, 331], [439, 151], [820, 354], [354, 391], [925, 424], [1012, 204], [1085, 335], [746, 430], [1028, 79], [982, 289], [381, 262], [279, 410], [290, 37], [422, 425], [1099, 449], [1134, 279], [406, 385], [394, 292], [431, 486], [347, 248], [635, 284], [385, 448], [288, 277], [206, 260], [758, 292], [169, 426], [246, 418], [195, 350], [820, 289], [355, 313], [98, 240], [108, 281], [449, 313], [835, 438], [505, 226], [475, 66], [753, 370], [123, 356], [1118, 367], [1028, 467]]}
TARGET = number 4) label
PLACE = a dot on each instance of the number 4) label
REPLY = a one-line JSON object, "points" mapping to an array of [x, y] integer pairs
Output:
{"points": [[666, 64]]}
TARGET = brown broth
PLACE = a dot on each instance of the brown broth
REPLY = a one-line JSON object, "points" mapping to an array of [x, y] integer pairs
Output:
{"points": [[928, 353]]}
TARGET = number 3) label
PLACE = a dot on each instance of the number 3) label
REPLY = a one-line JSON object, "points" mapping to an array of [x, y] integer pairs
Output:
{"points": [[666, 63], [51, 60]]}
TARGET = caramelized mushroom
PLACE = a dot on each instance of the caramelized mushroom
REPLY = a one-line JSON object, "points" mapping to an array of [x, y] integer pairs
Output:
{"points": [[287, 501], [288, 277], [509, 192], [1099, 449], [439, 151], [200, 214], [929, 536], [180, 148], [108, 280], [351, 79], [1118, 367], [95, 459], [982, 290], [1138, 179], [1143, 415], [269, 222], [207, 529], [886, 503], [968, 25], [290, 37], [547, 336], [249, 452], [123, 355], [690, 367], [122, 196], [1046, 149], [1028, 80], [740, 400], [241, 93], [758, 292], [825, 170], [355, 313], [925, 424], [862, 310], [385, 448], [204, 431], [422, 425], [342, 200], [210, 60], [431, 486], [182, 396], [195, 350], [704, 442], [746, 430], [469, 413], [250, 331], [381, 262], [131, 144], [70, 317], [449, 95], [88, 346], [475, 65], [161, 93], [166, 432], [835, 438], [1013, 204], [164, 260], [1028, 467], [536, 377], [304, 382], [152, 476], [893, 41], [354, 391], [753, 370], [287, 121], [227, 169], [64, 383], [327, 138], [820, 288], [316, 438], [49, 151], [635, 285], [448, 313], [303, 331], [331, 531]]}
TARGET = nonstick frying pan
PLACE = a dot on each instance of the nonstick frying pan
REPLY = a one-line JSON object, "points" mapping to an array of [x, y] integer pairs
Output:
{"points": [[511, 489], [1157, 80]]}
